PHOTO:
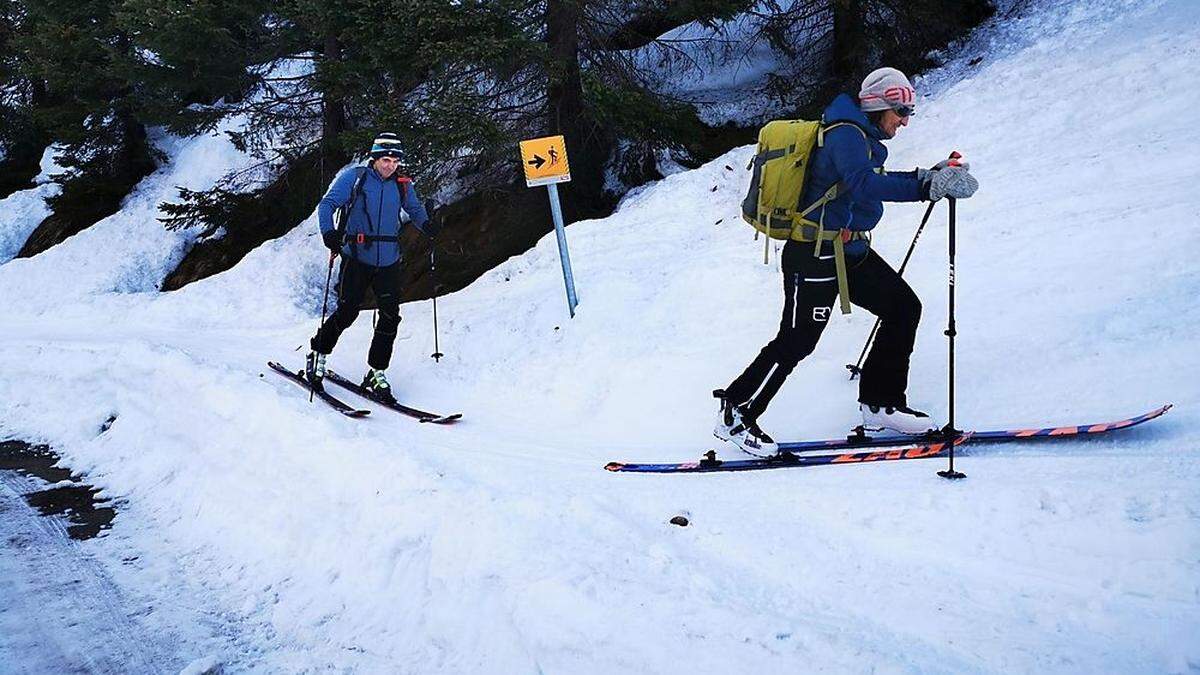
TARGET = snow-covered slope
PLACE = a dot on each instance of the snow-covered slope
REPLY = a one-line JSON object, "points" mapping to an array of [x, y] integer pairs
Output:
{"points": [[23, 210], [501, 545]]}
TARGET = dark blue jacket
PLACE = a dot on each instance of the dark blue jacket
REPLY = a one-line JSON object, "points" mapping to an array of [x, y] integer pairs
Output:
{"points": [[376, 211], [844, 158]]}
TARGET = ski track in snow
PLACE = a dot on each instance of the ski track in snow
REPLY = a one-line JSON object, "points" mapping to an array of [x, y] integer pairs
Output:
{"points": [[305, 542], [79, 623]]}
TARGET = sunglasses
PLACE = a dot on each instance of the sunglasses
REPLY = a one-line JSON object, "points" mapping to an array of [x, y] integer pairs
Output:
{"points": [[903, 110]]}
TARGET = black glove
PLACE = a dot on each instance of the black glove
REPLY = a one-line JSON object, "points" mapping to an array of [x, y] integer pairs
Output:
{"points": [[333, 240], [430, 229]]}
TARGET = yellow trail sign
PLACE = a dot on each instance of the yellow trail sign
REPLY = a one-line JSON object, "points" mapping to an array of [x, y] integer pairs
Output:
{"points": [[545, 161]]}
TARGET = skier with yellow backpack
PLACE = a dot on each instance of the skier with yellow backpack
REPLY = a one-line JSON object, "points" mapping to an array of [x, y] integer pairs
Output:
{"points": [[821, 186]]}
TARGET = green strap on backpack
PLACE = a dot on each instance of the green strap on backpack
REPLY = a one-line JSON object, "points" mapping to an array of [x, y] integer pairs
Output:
{"points": [[772, 205]]}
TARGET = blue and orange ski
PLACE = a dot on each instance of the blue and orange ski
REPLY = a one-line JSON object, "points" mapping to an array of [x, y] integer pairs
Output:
{"points": [[928, 447], [709, 463]]}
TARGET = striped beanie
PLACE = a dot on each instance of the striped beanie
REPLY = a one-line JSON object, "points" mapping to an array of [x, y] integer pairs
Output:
{"points": [[886, 89], [386, 145]]}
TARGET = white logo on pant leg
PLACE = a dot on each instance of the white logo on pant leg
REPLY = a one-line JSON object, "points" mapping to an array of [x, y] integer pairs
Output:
{"points": [[821, 313]]}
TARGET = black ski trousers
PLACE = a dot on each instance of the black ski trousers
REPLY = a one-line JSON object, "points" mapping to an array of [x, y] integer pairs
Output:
{"points": [[809, 297], [354, 280]]}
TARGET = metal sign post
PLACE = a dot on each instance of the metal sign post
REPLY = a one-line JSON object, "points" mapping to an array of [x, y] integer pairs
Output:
{"points": [[545, 163], [561, 233]]}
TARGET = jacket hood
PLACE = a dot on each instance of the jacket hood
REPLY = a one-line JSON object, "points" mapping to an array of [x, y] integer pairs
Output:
{"points": [[845, 109]]}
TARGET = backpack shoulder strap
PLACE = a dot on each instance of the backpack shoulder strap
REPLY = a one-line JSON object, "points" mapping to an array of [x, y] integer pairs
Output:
{"points": [[826, 129], [358, 183], [835, 189], [357, 190], [344, 212]]}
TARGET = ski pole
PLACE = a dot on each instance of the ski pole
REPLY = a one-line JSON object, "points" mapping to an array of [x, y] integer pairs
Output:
{"points": [[324, 307], [856, 369], [949, 432], [437, 354]]}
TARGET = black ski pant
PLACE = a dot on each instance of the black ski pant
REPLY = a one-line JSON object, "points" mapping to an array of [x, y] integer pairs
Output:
{"points": [[809, 297], [354, 280]]}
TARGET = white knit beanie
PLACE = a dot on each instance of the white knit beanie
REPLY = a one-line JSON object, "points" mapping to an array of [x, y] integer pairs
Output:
{"points": [[884, 89]]}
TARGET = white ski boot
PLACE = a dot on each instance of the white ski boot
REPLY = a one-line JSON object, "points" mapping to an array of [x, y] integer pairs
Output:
{"points": [[902, 419], [733, 426]]}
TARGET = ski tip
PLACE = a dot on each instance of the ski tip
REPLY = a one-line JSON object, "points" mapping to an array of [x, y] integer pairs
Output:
{"points": [[441, 419], [614, 466]]}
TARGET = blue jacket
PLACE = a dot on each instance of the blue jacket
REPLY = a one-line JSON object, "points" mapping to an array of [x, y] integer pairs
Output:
{"points": [[844, 158], [375, 212]]}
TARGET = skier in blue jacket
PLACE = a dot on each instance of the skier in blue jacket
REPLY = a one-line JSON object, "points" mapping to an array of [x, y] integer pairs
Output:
{"points": [[852, 155], [376, 200]]}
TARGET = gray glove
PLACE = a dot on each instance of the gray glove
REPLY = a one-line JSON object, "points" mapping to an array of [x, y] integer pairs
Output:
{"points": [[952, 181], [953, 161], [924, 175]]}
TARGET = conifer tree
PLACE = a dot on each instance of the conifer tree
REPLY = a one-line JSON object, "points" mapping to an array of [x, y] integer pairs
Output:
{"points": [[21, 139], [75, 49]]}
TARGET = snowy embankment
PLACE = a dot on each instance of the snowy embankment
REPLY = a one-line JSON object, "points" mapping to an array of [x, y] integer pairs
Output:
{"points": [[500, 545], [23, 210]]}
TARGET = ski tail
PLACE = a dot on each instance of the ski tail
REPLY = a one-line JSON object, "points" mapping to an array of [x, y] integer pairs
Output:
{"points": [[420, 415], [325, 397]]}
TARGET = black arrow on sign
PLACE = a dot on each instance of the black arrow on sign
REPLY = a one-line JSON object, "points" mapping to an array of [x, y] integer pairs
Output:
{"points": [[537, 161]]}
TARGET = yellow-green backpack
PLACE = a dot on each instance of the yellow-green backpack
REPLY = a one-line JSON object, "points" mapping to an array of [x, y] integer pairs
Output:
{"points": [[772, 205]]}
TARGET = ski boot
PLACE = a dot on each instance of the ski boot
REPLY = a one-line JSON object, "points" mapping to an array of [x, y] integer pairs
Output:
{"points": [[314, 370], [733, 426], [901, 419], [375, 382]]}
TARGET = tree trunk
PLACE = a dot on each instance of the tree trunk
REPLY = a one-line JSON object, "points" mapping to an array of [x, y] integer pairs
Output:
{"points": [[587, 146], [850, 45], [24, 158], [333, 119], [333, 113]]}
